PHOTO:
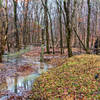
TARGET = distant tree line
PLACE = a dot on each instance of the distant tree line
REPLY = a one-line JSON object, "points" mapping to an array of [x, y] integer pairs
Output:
{"points": [[54, 23]]}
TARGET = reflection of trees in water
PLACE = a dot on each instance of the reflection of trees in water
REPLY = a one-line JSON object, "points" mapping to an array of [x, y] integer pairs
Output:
{"points": [[16, 81], [28, 85], [25, 86], [31, 84], [17, 61], [41, 65], [12, 84], [41, 68], [3, 86], [19, 84]]}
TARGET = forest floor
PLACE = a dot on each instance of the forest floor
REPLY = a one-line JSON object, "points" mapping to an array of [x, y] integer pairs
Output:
{"points": [[54, 59], [8, 74], [73, 80], [51, 58]]}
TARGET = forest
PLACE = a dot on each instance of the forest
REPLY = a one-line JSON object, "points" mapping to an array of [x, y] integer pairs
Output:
{"points": [[49, 49]]}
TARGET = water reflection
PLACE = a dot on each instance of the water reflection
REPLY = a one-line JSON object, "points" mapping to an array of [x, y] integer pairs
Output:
{"points": [[18, 84]]}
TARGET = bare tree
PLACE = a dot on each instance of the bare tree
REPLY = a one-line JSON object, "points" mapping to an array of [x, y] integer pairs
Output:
{"points": [[88, 23], [45, 5], [60, 23], [15, 22], [68, 29]]}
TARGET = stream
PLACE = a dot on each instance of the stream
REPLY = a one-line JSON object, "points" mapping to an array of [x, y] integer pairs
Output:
{"points": [[18, 84]]}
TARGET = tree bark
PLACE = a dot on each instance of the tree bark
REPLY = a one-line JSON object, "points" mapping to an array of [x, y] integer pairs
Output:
{"points": [[0, 33], [46, 25], [15, 22], [60, 22], [25, 30], [68, 29], [0, 48], [52, 38], [88, 23]]}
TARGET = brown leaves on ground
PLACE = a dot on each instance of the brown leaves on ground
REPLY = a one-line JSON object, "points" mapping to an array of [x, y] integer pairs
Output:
{"points": [[75, 79], [35, 52], [2, 75], [25, 96], [57, 61], [2, 67], [25, 70]]}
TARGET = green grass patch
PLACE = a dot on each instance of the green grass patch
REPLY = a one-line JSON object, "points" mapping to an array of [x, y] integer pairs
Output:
{"points": [[16, 54]]}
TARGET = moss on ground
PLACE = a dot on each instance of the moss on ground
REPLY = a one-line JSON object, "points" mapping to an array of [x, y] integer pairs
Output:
{"points": [[74, 79], [16, 54]]}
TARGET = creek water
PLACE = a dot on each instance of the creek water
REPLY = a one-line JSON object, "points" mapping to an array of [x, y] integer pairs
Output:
{"points": [[19, 84]]}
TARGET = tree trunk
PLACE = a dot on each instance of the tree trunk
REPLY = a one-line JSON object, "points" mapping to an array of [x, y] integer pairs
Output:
{"points": [[43, 36], [6, 29], [0, 33], [15, 22], [60, 21], [46, 25], [0, 48], [52, 38], [25, 30], [68, 29], [88, 24]]}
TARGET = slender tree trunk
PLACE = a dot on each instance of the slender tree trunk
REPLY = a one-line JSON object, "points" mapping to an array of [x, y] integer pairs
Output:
{"points": [[46, 25], [96, 21], [80, 40], [25, 33], [88, 23], [0, 33], [1, 44], [15, 22], [43, 36], [0, 56], [0, 47], [6, 32], [60, 23], [61, 39], [68, 29], [75, 21], [52, 38]]}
